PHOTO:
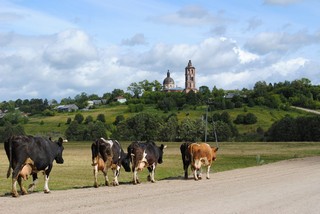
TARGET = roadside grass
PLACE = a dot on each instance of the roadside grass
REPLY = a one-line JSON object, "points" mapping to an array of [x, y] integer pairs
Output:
{"points": [[77, 172]]}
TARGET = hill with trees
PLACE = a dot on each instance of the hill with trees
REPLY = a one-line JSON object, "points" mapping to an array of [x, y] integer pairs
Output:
{"points": [[259, 114]]}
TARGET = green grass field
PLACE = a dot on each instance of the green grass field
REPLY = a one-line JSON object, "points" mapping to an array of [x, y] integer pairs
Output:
{"points": [[76, 172]]}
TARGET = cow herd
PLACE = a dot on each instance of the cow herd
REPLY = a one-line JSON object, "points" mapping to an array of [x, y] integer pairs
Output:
{"points": [[28, 155]]}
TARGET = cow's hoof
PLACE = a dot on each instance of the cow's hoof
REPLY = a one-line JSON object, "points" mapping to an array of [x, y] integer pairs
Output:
{"points": [[95, 185], [115, 184], [107, 184], [153, 181], [24, 193], [208, 178], [149, 178], [31, 187], [46, 191], [15, 194]]}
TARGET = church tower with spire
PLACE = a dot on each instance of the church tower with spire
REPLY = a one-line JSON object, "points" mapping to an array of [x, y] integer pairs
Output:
{"points": [[190, 78]]}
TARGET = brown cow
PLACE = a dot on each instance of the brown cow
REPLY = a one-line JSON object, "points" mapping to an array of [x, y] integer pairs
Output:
{"points": [[201, 154]]}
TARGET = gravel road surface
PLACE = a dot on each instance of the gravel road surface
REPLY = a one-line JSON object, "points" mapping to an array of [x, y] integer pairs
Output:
{"points": [[291, 186]]}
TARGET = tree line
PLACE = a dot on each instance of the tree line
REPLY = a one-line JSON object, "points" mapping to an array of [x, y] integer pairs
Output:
{"points": [[278, 95], [147, 126]]}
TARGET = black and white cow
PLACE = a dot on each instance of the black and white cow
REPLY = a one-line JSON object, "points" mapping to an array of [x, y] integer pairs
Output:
{"points": [[108, 154], [27, 155], [145, 154], [186, 158]]}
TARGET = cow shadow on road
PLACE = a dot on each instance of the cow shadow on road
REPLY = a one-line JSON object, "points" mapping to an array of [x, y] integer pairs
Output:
{"points": [[175, 178]]}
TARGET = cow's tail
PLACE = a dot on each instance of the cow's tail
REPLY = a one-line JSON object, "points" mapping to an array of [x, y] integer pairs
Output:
{"points": [[10, 156], [95, 152]]}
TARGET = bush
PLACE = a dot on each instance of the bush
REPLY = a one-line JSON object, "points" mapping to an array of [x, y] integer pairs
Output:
{"points": [[48, 112], [240, 119], [101, 118], [68, 121], [249, 118], [135, 107], [88, 119], [79, 118]]}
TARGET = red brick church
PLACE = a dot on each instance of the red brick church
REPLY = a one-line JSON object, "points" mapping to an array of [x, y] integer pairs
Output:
{"points": [[190, 81]]}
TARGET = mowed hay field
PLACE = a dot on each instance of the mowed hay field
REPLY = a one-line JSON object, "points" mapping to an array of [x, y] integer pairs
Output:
{"points": [[77, 172]]}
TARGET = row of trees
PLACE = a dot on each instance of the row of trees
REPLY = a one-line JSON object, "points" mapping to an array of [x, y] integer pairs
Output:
{"points": [[295, 129], [278, 95], [81, 128], [146, 126], [7, 130]]}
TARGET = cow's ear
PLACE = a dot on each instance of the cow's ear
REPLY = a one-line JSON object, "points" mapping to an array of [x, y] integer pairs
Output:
{"points": [[216, 149], [60, 141], [163, 146]]}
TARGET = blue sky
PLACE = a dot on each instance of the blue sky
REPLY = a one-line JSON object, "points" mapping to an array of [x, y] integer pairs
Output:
{"points": [[58, 49]]}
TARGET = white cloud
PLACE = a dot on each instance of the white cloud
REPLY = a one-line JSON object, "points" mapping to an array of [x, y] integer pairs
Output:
{"points": [[281, 42], [286, 68], [68, 63], [280, 71], [191, 15], [137, 39], [245, 56], [254, 23], [70, 48]]}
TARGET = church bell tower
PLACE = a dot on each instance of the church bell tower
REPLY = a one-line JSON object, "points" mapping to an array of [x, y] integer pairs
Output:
{"points": [[190, 74]]}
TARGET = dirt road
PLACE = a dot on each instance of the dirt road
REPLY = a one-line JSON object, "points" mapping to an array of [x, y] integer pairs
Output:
{"points": [[285, 187]]}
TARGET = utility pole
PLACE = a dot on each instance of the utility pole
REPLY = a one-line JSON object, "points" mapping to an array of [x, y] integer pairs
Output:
{"points": [[206, 130]]}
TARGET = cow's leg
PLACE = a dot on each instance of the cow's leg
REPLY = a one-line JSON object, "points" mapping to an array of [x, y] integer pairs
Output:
{"points": [[153, 168], [149, 178], [116, 173], [34, 182], [15, 175], [135, 176], [199, 173], [208, 171], [194, 171], [185, 167], [46, 179], [14, 191], [46, 184], [105, 174], [23, 190], [95, 175]]}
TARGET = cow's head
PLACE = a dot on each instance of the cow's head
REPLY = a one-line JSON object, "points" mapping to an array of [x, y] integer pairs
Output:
{"points": [[161, 153], [126, 163], [214, 153], [58, 157]]}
